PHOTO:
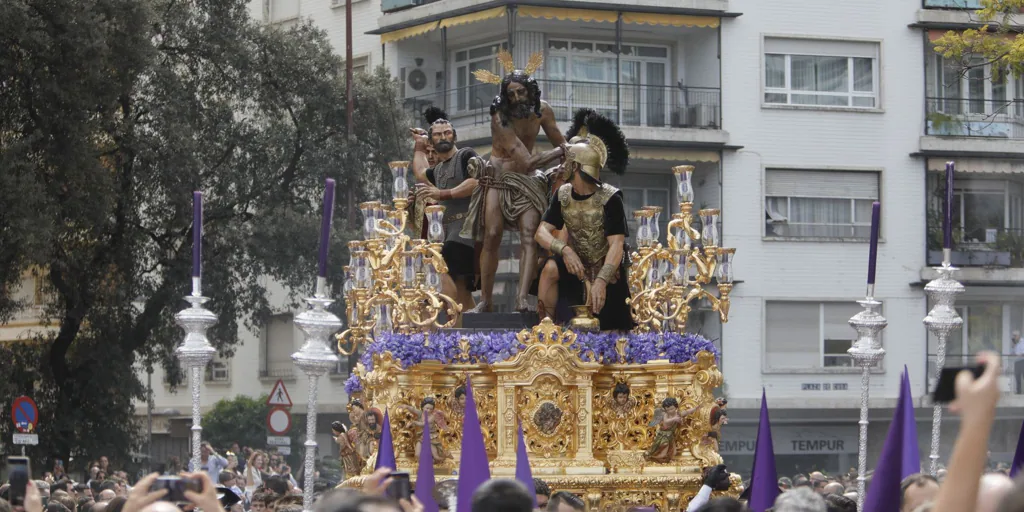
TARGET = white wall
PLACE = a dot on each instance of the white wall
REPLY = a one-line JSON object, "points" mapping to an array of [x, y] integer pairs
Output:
{"points": [[332, 19], [774, 137]]}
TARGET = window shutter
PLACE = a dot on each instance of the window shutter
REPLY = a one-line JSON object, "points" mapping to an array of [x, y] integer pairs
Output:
{"points": [[832, 184]]}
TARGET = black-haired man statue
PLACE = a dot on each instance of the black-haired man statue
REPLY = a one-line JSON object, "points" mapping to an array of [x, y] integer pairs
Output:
{"points": [[513, 192]]}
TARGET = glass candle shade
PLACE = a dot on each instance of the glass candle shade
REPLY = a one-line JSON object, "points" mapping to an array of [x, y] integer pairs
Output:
{"points": [[433, 278], [379, 213], [383, 322], [655, 221], [368, 209], [350, 281], [408, 269], [400, 180], [709, 229], [680, 234], [725, 259], [643, 230], [681, 271], [684, 187], [354, 318], [435, 226], [362, 273]]}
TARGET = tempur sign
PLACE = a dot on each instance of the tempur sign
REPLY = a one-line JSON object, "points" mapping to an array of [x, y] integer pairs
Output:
{"points": [[791, 440]]}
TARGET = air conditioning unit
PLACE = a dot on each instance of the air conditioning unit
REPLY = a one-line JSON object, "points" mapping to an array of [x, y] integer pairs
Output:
{"points": [[418, 80]]}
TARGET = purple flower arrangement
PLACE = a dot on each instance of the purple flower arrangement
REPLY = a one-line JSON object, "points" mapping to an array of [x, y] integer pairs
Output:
{"points": [[496, 346]]}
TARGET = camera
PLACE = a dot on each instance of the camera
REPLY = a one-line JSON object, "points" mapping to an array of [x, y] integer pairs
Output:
{"points": [[176, 487]]}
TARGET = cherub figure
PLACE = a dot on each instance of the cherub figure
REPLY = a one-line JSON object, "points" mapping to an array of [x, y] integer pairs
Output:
{"points": [[438, 424], [719, 419], [667, 418], [347, 439], [622, 402]]}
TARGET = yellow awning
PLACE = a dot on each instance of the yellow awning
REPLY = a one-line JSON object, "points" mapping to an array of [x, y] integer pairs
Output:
{"points": [[978, 166], [565, 14], [474, 17], [676, 155], [669, 20], [408, 32]]}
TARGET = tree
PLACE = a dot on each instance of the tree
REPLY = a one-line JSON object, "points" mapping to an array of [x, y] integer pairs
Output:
{"points": [[111, 113], [242, 420], [994, 44]]}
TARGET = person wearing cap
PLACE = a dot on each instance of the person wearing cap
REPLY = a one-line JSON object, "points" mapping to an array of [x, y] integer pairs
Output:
{"points": [[591, 267]]}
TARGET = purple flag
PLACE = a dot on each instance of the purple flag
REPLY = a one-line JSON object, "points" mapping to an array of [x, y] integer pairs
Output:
{"points": [[1018, 456], [425, 472], [523, 472], [764, 480], [474, 469], [900, 456], [386, 448]]}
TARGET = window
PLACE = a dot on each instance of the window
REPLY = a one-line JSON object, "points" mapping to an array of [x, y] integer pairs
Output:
{"points": [[470, 94], [582, 74], [982, 208], [982, 100], [809, 335], [361, 64], [819, 204], [277, 11], [639, 190], [218, 371], [279, 344], [821, 73]]}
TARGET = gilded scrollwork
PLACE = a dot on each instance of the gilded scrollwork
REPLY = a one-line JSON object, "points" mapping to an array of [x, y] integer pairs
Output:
{"points": [[548, 412]]}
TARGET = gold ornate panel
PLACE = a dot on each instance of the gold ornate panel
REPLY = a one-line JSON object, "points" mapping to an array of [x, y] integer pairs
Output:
{"points": [[547, 410]]}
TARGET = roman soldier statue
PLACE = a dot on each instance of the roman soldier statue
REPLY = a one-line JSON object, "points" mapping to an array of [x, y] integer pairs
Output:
{"points": [[592, 265]]}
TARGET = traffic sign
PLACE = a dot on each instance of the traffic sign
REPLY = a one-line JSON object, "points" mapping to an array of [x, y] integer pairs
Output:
{"points": [[284, 450], [279, 395], [279, 421], [32, 439], [279, 441], [25, 415]]}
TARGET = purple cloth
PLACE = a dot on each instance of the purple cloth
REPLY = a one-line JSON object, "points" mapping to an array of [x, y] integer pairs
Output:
{"points": [[425, 472], [900, 456], [523, 472], [474, 468], [1018, 456], [764, 479], [386, 450]]}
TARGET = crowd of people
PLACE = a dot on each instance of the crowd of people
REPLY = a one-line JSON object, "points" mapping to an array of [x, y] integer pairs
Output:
{"points": [[259, 482]]}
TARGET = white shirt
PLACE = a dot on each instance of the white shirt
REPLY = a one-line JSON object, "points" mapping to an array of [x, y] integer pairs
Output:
{"points": [[1018, 348]]}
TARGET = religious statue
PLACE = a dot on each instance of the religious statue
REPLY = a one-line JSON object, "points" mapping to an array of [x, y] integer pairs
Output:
{"points": [[347, 438], [719, 418], [513, 191], [438, 424], [590, 269], [667, 418], [367, 425], [448, 182], [622, 403]]}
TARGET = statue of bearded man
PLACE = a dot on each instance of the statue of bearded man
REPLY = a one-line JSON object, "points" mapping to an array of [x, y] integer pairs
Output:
{"points": [[512, 191]]}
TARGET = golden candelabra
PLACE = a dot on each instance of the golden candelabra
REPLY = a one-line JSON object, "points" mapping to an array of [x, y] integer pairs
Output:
{"points": [[393, 282], [665, 281]]}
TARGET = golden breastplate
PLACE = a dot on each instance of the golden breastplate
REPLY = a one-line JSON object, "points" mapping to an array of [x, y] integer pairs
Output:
{"points": [[584, 220]]}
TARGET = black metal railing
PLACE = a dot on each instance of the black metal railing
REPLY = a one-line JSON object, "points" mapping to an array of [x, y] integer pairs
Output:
{"points": [[629, 105], [979, 247], [971, 117]]}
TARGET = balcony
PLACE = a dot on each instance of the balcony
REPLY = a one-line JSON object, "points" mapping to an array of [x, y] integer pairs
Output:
{"points": [[1011, 393], [631, 105], [952, 4], [968, 117], [989, 247]]}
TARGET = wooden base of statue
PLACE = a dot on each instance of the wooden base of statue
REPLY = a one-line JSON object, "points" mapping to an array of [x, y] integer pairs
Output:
{"points": [[580, 436]]}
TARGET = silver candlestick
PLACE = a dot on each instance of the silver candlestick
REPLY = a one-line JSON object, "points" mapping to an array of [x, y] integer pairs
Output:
{"points": [[941, 321], [194, 353], [315, 358], [867, 351]]}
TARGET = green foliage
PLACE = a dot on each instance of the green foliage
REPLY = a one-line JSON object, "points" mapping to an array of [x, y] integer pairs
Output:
{"points": [[242, 420], [1013, 243], [111, 113], [994, 43]]}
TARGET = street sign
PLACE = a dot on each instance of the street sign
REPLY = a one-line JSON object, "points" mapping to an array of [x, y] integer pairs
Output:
{"points": [[279, 421], [25, 415], [279, 441], [279, 396], [32, 439], [284, 450]]}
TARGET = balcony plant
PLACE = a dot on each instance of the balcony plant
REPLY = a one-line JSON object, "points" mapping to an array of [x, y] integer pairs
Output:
{"points": [[1013, 243]]}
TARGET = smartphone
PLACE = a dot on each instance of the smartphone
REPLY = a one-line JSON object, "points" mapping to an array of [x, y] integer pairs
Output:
{"points": [[400, 487], [176, 487], [945, 388], [19, 470]]}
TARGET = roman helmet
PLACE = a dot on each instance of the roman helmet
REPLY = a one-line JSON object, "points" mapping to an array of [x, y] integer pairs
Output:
{"points": [[595, 142]]}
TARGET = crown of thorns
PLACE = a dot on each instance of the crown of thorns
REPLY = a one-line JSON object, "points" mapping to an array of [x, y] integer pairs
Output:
{"points": [[505, 59]]}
